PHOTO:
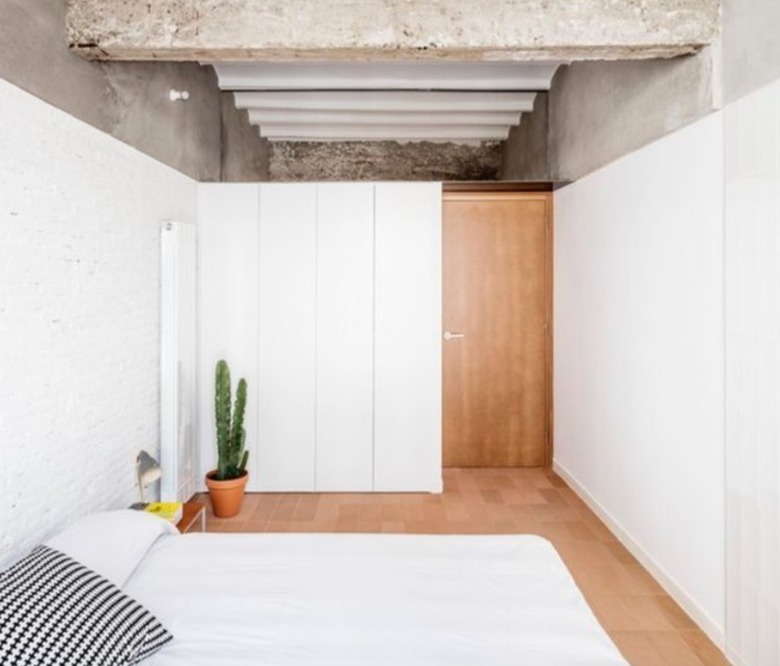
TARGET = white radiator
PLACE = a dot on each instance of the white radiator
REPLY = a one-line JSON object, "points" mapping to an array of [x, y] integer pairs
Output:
{"points": [[178, 451]]}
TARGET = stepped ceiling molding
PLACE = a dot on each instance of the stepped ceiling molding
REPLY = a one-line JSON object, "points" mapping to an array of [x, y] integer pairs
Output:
{"points": [[458, 102]]}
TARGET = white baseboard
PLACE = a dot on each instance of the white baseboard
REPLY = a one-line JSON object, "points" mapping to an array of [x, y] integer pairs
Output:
{"points": [[735, 659], [706, 623]]}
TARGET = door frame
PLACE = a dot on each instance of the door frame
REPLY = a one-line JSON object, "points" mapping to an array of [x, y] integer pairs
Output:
{"points": [[547, 198]]}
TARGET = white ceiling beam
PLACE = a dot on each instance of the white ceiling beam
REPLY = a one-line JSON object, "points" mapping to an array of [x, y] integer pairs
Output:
{"points": [[388, 101], [321, 132], [292, 117], [386, 76]]}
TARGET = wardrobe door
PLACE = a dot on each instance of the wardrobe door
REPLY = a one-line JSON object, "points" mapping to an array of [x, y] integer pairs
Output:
{"points": [[345, 337], [227, 307], [285, 396], [407, 363]]}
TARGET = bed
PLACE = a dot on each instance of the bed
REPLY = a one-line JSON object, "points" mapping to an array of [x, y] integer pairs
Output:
{"points": [[327, 599]]}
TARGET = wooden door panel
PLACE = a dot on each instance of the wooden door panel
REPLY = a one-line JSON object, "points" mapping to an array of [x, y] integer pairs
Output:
{"points": [[496, 295]]}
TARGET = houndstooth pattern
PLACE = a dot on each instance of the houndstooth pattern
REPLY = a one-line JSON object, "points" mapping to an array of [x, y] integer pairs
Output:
{"points": [[56, 612]]}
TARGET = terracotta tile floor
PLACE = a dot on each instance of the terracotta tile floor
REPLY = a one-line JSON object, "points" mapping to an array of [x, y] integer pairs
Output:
{"points": [[649, 628]]}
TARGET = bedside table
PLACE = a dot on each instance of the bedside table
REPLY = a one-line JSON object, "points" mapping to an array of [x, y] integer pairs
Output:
{"points": [[192, 513]]}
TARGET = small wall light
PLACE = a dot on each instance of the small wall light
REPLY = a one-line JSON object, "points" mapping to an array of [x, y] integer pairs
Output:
{"points": [[178, 95]]}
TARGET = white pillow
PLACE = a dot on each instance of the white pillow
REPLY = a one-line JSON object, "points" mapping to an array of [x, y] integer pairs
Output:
{"points": [[111, 543]]}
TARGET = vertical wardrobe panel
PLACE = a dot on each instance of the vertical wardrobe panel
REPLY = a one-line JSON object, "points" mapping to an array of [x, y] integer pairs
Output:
{"points": [[407, 364], [227, 307], [286, 337], [345, 337]]}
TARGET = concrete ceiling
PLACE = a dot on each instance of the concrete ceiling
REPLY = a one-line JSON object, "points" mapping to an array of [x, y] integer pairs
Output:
{"points": [[379, 101], [365, 71], [383, 30]]}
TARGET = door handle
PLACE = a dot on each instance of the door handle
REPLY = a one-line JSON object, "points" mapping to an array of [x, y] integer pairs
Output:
{"points": [[452, 336]]}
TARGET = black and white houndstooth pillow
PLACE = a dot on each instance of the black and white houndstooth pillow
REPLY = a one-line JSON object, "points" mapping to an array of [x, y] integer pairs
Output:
{"points": [[55, 611]]}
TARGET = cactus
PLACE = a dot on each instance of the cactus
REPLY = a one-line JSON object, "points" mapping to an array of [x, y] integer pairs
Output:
{"points": [[231, 436]]}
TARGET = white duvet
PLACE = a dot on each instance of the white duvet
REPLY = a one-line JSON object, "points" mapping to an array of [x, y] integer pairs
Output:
{"points": [[360, 599]]}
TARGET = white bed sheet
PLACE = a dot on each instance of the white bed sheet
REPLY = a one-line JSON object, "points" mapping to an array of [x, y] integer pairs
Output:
{"points": [[369, 600]]}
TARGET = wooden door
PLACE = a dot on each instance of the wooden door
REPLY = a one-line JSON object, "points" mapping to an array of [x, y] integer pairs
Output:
{"points": [[496, 276]]}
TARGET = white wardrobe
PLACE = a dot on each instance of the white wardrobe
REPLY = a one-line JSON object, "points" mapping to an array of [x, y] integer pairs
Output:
{"points": [[327, 298]]}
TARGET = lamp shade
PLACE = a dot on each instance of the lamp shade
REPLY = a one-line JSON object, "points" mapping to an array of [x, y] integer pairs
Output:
{"points": [[148, 470]]}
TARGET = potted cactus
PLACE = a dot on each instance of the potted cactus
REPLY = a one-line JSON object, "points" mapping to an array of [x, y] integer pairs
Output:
{"points": [[226, 484]]}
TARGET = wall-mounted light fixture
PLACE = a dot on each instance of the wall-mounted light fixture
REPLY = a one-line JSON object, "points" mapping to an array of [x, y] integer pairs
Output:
{"points": [[178, 95]]}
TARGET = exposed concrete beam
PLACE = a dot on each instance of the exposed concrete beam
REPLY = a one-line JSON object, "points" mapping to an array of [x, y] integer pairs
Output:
{"points": [[389, 29]]}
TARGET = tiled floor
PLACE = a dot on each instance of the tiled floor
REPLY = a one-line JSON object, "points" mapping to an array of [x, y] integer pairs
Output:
{"points": [[648, 627]]}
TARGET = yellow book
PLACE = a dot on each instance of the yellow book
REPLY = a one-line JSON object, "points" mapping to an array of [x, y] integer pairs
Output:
{"points": [[170, 511]]}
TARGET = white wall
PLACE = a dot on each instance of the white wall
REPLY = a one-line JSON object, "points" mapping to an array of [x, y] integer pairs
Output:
{"points": [[80, 214], [639, 357], [753, 377]]}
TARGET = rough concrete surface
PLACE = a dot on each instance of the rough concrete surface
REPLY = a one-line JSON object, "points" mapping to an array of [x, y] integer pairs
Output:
{"points": [[126, 100], [600, 111], [384, 160], [389, 29], [525, 154], [185, 135], [245, 156], [751, 46]]}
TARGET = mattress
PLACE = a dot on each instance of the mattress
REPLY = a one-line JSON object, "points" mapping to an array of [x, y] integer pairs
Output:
{"points": [[378, 599]]}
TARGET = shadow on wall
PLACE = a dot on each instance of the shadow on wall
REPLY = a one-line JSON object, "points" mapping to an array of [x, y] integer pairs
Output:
{"points": [[599, 111], [203, 137]]}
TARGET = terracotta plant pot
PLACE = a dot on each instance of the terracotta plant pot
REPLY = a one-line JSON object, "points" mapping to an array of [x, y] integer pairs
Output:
{"points": [[226, 496]]}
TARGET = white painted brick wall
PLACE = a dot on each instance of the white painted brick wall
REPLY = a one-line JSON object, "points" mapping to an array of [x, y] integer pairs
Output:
{"points": [[79, 315]]}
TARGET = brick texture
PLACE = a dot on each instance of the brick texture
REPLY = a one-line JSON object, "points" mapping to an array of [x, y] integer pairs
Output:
{"points": [[79, 315]]}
